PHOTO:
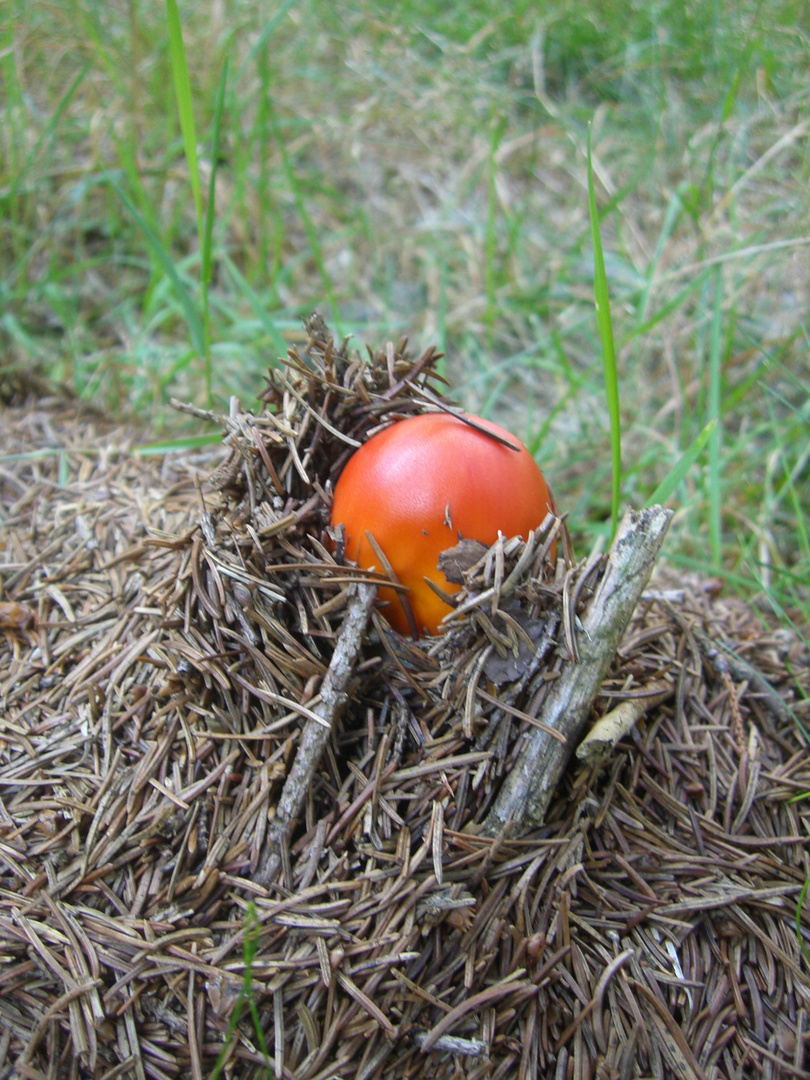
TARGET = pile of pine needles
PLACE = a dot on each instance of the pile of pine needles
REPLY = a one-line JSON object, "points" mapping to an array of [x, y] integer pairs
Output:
{"points": [[169, 626]]}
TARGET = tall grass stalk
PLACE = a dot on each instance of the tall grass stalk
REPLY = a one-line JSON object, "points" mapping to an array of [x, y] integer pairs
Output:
{"points": [[207, 239], [491, 238], [185, 109], [605, 324], [714, 410]]}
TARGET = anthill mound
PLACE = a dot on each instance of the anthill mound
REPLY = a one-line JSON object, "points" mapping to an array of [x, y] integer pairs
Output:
{"points": [[170, 624]]}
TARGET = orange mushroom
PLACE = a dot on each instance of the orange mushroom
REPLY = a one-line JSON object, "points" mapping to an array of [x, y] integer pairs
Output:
{"points": [[420, 486]]}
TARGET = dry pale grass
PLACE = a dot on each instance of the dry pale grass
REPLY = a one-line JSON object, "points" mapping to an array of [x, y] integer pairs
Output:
{"points": [[165, 639]]}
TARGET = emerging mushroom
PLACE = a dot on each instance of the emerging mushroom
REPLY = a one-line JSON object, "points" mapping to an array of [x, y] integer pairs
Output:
{"points": [[422, 485]]}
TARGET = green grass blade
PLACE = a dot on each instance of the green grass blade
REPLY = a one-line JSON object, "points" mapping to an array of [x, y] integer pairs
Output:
{"points": [[205, 227], [260, 44], [799, 907], [232, 1023], [208, 232], [675, 304], [306, 220], [177, 446], [206, 239], [491, 237], [257, 1027], [251, 945], [677, 473], [605, 324], [713, 409], [252, 927], [192, 316], [257, 306], [182, 89], [46, 134]]}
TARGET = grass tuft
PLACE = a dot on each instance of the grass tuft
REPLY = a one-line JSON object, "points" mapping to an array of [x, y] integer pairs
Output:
{"points": [[205, 226], [246, 997]]}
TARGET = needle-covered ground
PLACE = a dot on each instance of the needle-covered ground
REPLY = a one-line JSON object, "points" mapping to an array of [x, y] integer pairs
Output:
{"points": [[166, 625]]}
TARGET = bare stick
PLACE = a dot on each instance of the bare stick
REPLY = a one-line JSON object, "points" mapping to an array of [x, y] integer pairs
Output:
{"points": [[522, 802], [316, 733]]}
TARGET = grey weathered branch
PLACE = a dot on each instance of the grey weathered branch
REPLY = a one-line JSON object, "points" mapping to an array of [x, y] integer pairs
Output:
{"points": [[523, 800], [316, 734]]}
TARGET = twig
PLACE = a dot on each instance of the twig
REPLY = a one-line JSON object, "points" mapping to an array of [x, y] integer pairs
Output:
{"points": [[316, 732], [522, 801]]}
